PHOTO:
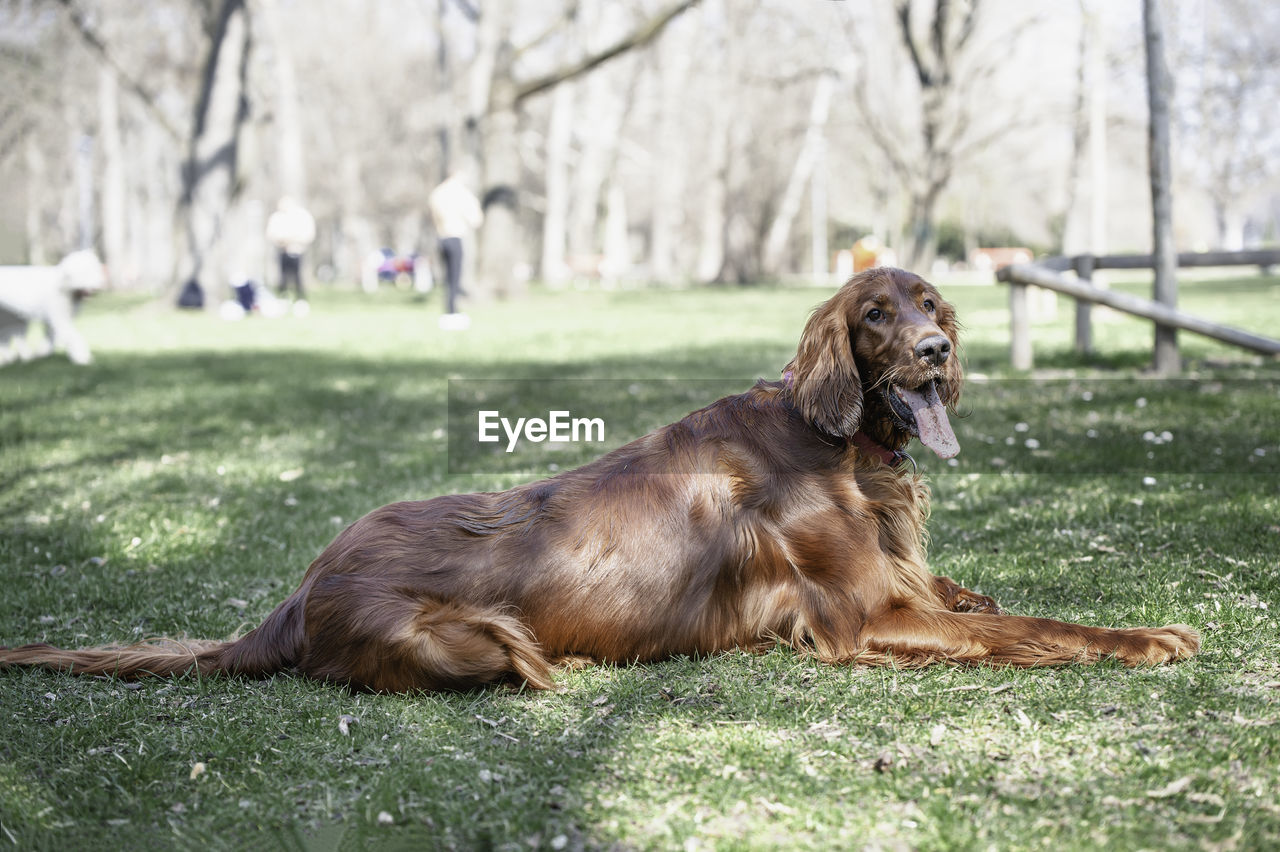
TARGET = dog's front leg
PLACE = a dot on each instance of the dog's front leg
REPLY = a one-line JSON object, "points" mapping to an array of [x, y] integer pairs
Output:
{"points": [[62, 333], [959, 599]]}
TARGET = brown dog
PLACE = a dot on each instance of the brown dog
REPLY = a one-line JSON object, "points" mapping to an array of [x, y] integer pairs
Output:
{"points": [[778, 515]]}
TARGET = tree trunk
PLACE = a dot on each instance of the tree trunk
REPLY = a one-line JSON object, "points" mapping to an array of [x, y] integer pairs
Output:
{"points": [[555, 217], [818, 249], [600, 130], [669, 174], [493, 155], [210, 175], [159, 238], [37, 185], [810, 152], [291, 164], [502, 240], [617, 237], [712, 221], [1163, 249], [112, 196]]}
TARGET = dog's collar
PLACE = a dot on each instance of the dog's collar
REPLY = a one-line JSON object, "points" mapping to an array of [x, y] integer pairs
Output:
{"points": [[893, 458], [871, 447]]}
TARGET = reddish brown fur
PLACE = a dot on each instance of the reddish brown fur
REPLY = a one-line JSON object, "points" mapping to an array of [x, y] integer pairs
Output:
{"points": [[752, 521]]}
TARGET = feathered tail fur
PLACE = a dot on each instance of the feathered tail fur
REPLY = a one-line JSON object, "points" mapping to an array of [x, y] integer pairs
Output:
{"points": [[271, 647]]}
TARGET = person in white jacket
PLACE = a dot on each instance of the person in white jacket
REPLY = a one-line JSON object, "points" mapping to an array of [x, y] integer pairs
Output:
{"points": [[291, 229], [456, 213]]}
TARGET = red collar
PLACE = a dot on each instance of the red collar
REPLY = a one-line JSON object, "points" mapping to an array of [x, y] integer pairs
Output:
{"points": [[869, 446]]}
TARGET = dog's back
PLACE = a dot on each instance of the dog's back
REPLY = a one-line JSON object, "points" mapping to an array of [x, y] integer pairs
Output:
{"points": [[25, 290]]}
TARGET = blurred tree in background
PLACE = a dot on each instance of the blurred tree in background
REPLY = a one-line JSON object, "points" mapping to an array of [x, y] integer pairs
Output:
{"points": [[667, 140]]}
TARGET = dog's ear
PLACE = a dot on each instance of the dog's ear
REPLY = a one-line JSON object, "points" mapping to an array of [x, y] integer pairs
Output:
{"points": [[822, 379], [950, 326]]}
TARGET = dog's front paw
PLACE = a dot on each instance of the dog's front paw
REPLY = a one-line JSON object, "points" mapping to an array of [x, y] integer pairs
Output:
{"points": [[968, 601], [1155, 645]]}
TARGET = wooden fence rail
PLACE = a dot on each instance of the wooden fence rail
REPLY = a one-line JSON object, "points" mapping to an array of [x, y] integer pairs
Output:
{"points": [[1047, 274]]}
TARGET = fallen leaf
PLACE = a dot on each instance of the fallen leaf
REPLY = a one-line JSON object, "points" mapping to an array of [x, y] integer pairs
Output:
{"points": [[1171, 789], [775, 807], [1207, 799]]}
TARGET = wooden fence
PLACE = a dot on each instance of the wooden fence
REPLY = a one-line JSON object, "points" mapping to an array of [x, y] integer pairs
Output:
{"points": [[1048, 274]]}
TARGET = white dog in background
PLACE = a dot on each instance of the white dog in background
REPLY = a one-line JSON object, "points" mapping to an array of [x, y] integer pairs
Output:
{"points": [[49, 294]]}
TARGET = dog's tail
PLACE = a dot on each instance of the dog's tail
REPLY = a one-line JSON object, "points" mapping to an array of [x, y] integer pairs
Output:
{"points": [[271, 647]]}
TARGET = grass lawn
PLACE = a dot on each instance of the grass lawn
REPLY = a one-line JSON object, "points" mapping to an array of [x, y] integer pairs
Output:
{"points": [[182, 483]]}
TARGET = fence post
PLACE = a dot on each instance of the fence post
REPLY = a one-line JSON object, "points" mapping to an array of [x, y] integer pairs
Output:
{"points": [[1084, 265], [1019, 326]]}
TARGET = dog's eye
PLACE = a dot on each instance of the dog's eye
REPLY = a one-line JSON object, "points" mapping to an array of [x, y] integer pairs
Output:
{"points": [[927, 305], [875, 315]]}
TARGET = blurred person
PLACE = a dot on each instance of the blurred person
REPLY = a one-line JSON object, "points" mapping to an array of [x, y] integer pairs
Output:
{"points": [[456, 213], [291, 229]]}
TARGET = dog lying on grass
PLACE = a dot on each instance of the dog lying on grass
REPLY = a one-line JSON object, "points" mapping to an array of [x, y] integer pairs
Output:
{"points": [[49, 294], [780, 515]]}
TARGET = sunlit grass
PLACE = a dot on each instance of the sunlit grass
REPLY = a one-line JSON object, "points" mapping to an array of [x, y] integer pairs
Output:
{"points": [[182, 484]]}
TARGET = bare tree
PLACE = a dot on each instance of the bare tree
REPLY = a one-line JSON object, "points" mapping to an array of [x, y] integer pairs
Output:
{"points": [[1161, 170], [1228, 82], [210, 175], [496, 95], [946, 72], [802, 173]]}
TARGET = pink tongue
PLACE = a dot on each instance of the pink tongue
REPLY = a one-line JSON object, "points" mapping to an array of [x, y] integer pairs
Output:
{"points": [[931, 420]]}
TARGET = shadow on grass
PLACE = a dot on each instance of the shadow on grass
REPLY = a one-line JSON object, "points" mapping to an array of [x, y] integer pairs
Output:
{"points": [[230, 470]]}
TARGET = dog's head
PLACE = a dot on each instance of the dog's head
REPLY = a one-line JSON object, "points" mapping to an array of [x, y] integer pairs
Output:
{"points": [[81, 274], [880, 357]]}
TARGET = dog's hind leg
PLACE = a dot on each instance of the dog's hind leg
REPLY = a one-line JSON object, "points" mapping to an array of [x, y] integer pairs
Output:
{"points": [[360, 633]]}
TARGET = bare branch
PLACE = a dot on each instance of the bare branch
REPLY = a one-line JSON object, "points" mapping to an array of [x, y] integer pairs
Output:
{"points": [[642, 36], [890, 147], [941, 20], [903, 10], [969, 25], [469, 11], [569, 16], [95, 42]]}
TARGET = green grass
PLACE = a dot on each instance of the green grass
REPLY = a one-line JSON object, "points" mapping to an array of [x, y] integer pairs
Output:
{"points": [[181, 485]]}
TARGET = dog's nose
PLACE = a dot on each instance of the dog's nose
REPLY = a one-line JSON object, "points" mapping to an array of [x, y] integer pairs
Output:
{"points": [[935, 350]]}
